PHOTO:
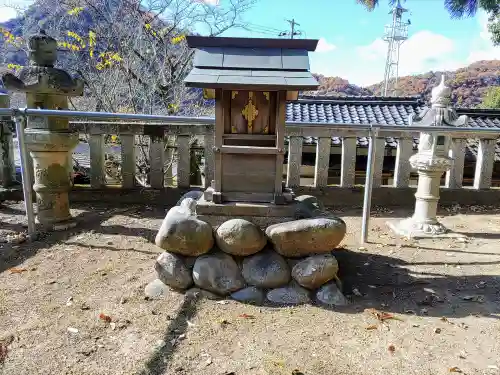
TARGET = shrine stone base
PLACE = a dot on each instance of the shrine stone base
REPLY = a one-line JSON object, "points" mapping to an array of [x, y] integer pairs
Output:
{"points": [[411, 228], [261, 214]]}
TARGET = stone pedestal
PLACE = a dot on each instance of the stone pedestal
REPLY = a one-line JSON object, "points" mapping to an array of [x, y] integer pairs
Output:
{"points": [[424, 223], [49, 151], [48, 139]]}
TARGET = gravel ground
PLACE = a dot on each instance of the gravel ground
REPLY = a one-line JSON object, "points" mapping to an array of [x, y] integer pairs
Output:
{"points": [[444, 294]]}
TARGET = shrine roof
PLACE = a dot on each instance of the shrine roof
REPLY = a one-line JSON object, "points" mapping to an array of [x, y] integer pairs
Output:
{"points": [[251, 63]]}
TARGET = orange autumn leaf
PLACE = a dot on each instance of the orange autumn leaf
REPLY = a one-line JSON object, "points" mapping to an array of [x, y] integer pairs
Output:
{"points": [[369, 328], [246, 316], [455, 369], [17, 270], [105, 318], [381, 315]]}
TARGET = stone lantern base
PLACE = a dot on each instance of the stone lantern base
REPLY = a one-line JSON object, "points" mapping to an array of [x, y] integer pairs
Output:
{"points": [[415, 228], [423, 222], [49, 151]]}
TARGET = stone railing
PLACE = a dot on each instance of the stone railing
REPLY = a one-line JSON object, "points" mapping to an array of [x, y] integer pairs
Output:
{"points": [[159, 138], [296, 132]]}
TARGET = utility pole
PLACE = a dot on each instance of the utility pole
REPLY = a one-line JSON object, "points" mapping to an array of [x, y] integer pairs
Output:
{"points": [[293, 32]]}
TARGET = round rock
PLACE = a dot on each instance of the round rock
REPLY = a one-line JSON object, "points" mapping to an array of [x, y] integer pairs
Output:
{"points": [[217, 273], [307, 236], [315, 270], [193, 194], [329, 294], [266, 270], [155, 289], [252, 295], [182, 233], [292, 294], [172, 270], [240, 237]]}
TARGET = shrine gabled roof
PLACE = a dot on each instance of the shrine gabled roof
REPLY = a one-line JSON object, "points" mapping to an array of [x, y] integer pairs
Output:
{"points": [[251, 63]]}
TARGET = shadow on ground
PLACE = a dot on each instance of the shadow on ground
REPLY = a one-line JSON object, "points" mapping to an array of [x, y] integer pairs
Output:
{"points": [[13, 255], [388, 283]]}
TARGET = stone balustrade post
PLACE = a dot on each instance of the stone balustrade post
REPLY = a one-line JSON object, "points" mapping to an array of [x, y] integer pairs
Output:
{"points": [[7, 168], [48, 139], [430, 162]]}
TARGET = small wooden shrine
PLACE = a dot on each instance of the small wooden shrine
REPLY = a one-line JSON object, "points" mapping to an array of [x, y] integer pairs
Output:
{"points": [[250, 79]]}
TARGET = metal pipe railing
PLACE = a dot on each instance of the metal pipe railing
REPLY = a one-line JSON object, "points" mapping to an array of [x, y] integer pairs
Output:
{"points": [[367, 199], [374, 130], [25, 176]]}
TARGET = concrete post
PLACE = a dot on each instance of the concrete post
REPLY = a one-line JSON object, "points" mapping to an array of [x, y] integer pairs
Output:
{"points": [[48, 139], [430, 162]]}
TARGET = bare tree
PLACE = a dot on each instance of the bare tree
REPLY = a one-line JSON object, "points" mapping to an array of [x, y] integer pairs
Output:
{"points": [[132, 54]]}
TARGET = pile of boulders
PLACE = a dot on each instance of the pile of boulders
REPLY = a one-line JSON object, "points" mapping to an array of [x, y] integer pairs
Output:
{"points": [[287, 263]]}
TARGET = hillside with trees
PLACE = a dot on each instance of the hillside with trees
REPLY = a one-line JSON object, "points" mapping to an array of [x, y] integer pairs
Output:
{"points": [[133, 59], [469, 84]]}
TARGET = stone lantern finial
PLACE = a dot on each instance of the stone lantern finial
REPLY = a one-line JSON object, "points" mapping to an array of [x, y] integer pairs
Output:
{"points": [[43, 49], [441, 94]]}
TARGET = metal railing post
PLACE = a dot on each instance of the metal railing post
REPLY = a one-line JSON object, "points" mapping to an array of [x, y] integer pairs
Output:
{"points": [[367, 200], [20, 120]]}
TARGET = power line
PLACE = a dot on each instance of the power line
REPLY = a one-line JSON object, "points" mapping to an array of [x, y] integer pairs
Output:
{"points": [[293, 32]]}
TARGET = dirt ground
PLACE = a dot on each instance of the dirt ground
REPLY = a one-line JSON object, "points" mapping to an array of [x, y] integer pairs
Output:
{"points": [[444, 293]]}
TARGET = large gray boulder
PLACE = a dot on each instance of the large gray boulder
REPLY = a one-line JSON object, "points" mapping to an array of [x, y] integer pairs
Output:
{"points": [[217, 273], [292, 294], [267, 269], [307, 236], [315, 270], [172, 270], [182, 233], [329, 294], [240, 237]]}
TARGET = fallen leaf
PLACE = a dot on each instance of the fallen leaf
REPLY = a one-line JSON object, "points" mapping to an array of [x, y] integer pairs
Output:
{"points": [[105, 318], [381, 315], [392, 348], [17, 270], [371, 327], [455, 369], [246, 316]]}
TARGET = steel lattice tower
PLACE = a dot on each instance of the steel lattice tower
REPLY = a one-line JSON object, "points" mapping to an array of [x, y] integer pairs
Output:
{"points": [[395, 34]]}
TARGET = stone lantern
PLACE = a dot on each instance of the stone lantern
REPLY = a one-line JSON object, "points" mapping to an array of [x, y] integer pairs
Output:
{"points": [[48, 139], [431, 161]]}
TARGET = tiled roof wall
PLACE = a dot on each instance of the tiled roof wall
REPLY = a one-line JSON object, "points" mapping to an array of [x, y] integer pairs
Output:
{"points": [[378, 110]]}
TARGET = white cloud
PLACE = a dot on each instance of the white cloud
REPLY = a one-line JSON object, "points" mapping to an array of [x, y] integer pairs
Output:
{"points": [[324, 46], [13, 8], [483, 48], [210, 2], [422, 51]]}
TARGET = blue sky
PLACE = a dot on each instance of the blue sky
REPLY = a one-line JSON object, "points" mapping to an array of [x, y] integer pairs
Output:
{"points": [[351, 46], [350, 37]]}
